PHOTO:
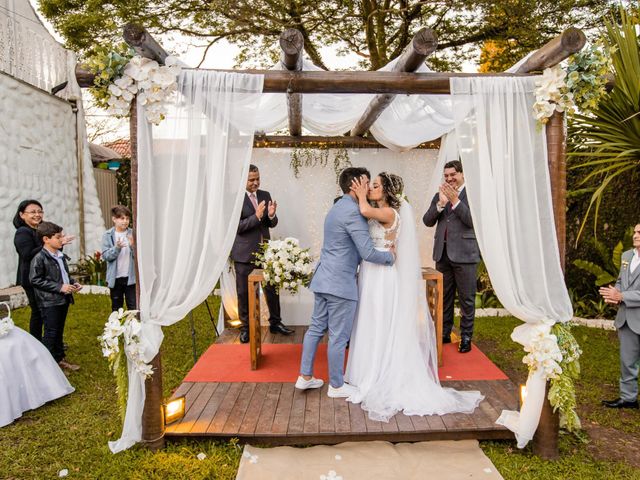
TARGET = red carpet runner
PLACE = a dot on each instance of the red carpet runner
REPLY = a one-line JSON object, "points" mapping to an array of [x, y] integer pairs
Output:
{"points": [[280, 363]]}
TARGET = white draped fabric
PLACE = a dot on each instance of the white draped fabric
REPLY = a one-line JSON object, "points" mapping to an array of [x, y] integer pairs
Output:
{"points": [[409, 121], [505, 160], [191, 181]]}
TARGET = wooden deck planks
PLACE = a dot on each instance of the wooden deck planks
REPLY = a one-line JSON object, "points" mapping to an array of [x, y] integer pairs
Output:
{"points": [[277, 413]]}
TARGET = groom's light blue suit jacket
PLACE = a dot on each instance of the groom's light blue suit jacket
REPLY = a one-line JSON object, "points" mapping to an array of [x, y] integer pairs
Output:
{"points": [[346, 242]]}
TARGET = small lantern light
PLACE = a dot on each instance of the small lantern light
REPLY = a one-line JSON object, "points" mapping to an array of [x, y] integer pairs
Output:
{"points": [[174, 409], [523, 394], [235, 323]]}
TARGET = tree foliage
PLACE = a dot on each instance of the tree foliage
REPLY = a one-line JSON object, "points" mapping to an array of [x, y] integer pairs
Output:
{"points": [[375, 30]]}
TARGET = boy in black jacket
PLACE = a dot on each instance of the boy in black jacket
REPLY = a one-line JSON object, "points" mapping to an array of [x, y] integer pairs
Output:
{"points": [[54, 288]]}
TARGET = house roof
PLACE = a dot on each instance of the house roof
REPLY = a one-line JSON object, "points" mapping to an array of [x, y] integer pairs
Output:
{"points": [[122, 146]]}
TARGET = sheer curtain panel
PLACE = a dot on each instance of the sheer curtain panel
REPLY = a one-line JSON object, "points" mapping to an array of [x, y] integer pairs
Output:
{"points": [[505, 164], [191, 181]]}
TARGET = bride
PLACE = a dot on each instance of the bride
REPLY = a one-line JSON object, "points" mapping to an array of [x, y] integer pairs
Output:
{"points": [[392, 355]]}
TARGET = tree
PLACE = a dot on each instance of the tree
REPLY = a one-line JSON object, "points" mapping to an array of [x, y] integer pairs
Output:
{"points": [[609, 138], [376, 30]]}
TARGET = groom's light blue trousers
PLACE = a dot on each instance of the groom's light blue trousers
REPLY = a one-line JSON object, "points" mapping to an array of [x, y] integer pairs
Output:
{"points": [[335, 315]]}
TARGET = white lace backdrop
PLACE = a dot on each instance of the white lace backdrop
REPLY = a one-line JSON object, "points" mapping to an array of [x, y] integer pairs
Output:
{"points": [[193, 169], [304, 201]]}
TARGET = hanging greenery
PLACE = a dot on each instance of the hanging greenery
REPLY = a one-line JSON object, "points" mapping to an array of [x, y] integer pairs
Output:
{"points": [[318, 155], [562, 390], [107, 65]]}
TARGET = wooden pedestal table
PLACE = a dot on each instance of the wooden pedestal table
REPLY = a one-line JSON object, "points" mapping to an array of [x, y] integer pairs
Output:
{"points": [[434, 292]]}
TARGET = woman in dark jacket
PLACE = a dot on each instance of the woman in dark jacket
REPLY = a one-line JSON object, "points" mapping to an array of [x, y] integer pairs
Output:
{"points": [[28, 244]]}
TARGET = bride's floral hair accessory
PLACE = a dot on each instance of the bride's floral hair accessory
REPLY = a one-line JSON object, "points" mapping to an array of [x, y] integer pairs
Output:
{"points": [[393, 188]]}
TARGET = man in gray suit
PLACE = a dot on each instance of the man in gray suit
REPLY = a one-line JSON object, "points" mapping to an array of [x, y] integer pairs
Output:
{"points": [[455, 251], [257, 216], [346, 242], [626, 294]]}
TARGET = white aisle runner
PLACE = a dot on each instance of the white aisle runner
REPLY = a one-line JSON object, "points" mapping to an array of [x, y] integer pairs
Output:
{"points": [[441, 460]]}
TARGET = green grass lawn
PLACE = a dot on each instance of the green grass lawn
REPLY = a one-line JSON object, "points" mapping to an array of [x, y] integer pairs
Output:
{"points": [[72, 432]]}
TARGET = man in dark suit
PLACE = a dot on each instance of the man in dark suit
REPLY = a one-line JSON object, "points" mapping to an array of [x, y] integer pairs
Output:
{"points": [[455, 251], [257, 217]]}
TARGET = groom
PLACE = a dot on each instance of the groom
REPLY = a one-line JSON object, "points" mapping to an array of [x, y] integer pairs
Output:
{"points": [[346, 243]]}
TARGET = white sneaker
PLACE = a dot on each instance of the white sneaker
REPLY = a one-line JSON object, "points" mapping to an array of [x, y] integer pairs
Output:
{"points": [[303, 384], [344, 391]]}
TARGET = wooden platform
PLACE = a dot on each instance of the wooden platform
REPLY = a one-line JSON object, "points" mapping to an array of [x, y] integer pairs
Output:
{"points": [[278, 414]]}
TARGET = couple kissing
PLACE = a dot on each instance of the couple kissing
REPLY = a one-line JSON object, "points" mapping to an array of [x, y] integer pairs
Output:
{"points": [[380, 308]]}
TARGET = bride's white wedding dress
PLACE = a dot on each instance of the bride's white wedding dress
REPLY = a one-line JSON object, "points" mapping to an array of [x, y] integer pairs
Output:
{"points": [[29, 376], [392, 354]]}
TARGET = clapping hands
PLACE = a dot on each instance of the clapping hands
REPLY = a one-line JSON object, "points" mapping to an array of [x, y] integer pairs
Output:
{"points": [[446, 193], [271, 210], [611, 295]]}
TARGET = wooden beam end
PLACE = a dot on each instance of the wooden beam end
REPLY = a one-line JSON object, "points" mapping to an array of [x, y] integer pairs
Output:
{"points": [[573, 39]]}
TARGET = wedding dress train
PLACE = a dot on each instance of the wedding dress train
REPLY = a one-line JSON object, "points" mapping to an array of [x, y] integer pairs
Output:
{"points": [[29, 376], [392, 355]]}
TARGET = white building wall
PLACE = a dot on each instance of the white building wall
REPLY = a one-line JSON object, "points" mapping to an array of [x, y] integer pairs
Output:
{"points": [[37, 160]]}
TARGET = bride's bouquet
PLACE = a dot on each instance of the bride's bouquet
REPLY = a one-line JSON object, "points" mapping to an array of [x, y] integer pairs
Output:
{"points": [[285, 264]]}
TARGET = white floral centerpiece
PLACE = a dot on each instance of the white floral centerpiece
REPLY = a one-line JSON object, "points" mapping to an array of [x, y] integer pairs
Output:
{"points": [[120, 341], [285, 264], [6, 323]]}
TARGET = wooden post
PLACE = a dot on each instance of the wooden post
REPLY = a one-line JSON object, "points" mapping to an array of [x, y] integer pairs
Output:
{"points": [[152, 415], [424, 43], [292, 45], [545, 440]]}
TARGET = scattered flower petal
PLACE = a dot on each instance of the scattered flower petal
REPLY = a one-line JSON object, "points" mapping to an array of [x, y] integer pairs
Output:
{"points": [[63, 473]]}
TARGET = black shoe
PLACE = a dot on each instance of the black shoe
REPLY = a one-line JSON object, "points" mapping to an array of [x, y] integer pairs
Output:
{"points": [[280, 328], [446, 339], [465, 345], [244, 336], [619, 403]]}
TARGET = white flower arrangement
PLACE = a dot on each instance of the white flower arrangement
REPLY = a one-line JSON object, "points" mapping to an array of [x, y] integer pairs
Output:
{"points": [[6, 323], [122, 333], [552, 94], [544, 354], [153, 83], [120, 341], [285, 264]]}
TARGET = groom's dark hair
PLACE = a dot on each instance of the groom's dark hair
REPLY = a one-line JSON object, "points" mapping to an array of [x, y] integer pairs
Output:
{"points": [[349, 174]]}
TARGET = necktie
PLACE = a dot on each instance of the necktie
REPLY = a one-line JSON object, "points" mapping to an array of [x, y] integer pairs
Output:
{"points": [[254, 201]]}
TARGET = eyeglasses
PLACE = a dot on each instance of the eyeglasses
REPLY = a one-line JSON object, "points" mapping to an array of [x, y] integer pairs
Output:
{"points": [[35, 212]]}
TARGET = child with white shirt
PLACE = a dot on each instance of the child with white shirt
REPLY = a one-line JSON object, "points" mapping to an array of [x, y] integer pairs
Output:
{"points": [[117, 251]]}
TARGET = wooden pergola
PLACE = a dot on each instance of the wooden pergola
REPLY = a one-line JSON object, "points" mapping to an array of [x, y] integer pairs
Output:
{"points": [[294, 82]]}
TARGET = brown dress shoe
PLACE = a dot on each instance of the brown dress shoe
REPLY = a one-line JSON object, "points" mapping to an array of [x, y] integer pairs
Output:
{"points": [[68, 366]]}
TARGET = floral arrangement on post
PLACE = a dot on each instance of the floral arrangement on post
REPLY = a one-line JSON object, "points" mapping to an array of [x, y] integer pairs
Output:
{"points": [[285, 264], [120, 76], [579, 85], [6, 323], [555, 351], [120, 341]]}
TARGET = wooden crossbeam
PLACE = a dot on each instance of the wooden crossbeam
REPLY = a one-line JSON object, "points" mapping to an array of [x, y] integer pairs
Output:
{"points": [[424, 43], [553, 52], [316, 141], [143, 43], [292, 45]]}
